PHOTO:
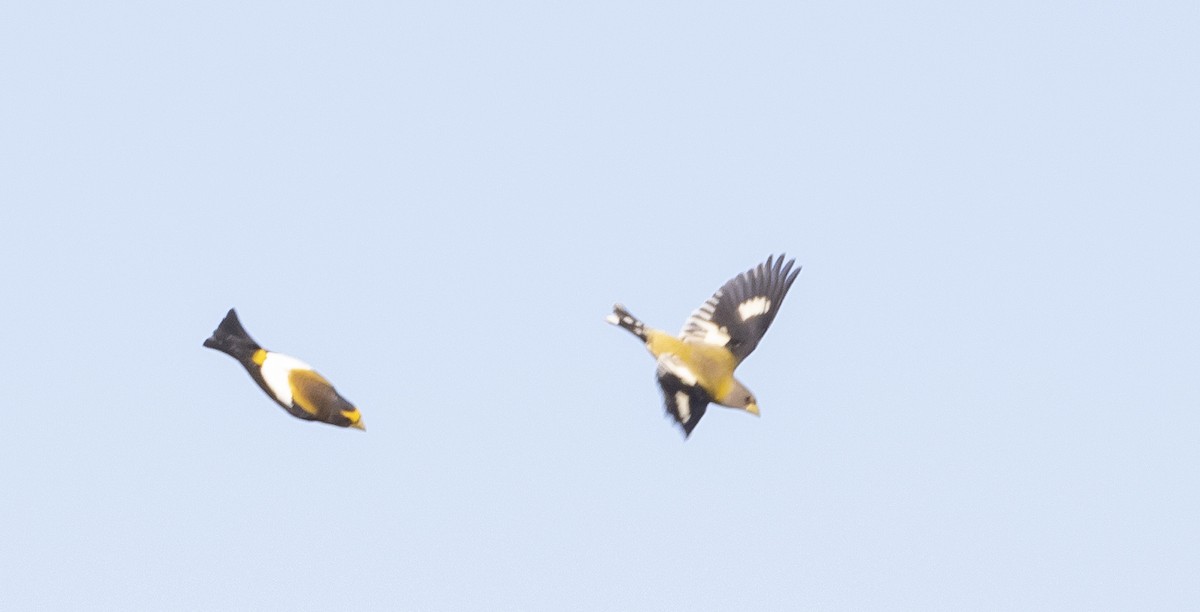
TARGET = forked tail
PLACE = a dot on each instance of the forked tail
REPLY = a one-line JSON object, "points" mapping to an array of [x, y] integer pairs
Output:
{"points": [[231, 338], [621, 318]]}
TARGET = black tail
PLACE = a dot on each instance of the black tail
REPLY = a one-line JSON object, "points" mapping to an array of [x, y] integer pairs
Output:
{"points": [[621, 318], [231, 338]]}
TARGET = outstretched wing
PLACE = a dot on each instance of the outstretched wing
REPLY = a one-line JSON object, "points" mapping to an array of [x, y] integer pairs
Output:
{"points": [[739, 313], [684, 398]]}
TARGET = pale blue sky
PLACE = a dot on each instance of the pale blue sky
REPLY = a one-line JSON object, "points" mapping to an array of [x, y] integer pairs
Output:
{"points": [[981, 392]]}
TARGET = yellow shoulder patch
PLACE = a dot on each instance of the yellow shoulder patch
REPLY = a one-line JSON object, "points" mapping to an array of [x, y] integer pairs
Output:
{"points": [[259, 357], [309, 391]]}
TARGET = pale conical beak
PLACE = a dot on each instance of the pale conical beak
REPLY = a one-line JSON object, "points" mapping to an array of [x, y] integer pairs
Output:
{"points": [[752, 409], [359, 425]]}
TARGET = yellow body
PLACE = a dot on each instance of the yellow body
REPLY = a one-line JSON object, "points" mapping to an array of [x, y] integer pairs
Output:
{"points": [[712, 365]]}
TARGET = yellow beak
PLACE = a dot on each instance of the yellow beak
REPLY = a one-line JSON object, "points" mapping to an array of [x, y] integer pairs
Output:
{"points": [[355, 417], [752, 409]]}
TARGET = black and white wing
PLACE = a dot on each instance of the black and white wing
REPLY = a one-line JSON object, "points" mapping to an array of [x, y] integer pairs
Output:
{"points": [[684, 398], [739, 313]]}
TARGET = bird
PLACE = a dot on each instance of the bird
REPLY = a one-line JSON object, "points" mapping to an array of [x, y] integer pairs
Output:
{"points": [[696, 367], [293, 384]]}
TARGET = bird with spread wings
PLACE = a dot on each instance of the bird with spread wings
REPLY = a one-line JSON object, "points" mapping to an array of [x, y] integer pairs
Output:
{"points": [[696, 368]]}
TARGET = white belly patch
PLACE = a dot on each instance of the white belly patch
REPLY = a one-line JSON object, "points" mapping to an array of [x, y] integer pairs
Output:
{"points": [[275, 370]]}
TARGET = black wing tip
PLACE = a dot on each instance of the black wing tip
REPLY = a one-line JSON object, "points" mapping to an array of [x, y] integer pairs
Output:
{"points": [[684, 428], [774, 276], [782, 271], [687, 430], [780, 264]]}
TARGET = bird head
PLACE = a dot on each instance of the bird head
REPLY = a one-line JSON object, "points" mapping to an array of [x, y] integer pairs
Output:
{"points": [[741, 397]]}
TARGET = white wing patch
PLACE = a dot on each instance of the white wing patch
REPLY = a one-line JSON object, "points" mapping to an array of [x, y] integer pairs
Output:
{"points": [[683, 404], [754, 307], [700, 327], [275, 369], [711, 333]]}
